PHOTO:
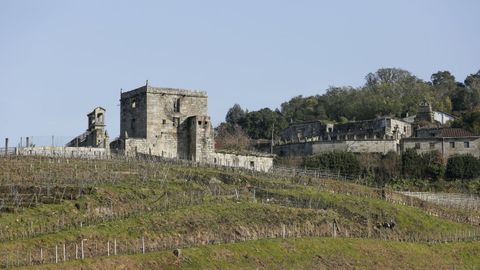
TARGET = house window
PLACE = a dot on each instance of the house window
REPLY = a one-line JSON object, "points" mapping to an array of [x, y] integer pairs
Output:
{"points": [[466, 144], [176, 105], [452, 144], [417, 145], [432, 145]]}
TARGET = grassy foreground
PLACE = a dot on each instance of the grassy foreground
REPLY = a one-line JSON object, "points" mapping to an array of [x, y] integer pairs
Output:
{"points": [[299, 253]]}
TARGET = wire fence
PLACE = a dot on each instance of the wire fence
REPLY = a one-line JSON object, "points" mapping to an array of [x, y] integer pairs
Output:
{"points": [[91, 248]]}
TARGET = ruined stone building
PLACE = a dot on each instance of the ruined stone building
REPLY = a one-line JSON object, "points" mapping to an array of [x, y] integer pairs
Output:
{"points": [[381, 128], [96, 135], [374, 136], [166, 122], [174, 123]]}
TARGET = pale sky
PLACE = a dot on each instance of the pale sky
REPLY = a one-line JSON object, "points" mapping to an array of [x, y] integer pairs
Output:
{"points": [[60, 59]]}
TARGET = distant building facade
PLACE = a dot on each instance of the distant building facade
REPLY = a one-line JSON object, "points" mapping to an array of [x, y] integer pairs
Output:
{"points": [[447, 141]]}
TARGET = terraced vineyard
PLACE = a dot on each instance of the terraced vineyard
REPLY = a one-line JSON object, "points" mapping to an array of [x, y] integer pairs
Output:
{"points": [[133, 214]]}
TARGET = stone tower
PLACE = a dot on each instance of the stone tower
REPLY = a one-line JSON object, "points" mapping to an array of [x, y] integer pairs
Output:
{"points": [[425, 112], [166, 122], [96, 135]]}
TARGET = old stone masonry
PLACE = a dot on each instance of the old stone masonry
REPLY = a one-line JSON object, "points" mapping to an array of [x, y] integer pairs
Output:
{"points": [[174, 123]]}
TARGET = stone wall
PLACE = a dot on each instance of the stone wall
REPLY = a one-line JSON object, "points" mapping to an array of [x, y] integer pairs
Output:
{"points": [[445, 146], [252, 162], [316, 147], [69, 152], [133, 113], [201, 138]]}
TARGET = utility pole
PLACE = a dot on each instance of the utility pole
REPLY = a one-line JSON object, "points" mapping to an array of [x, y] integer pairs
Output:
{"points": [[271, 144]]}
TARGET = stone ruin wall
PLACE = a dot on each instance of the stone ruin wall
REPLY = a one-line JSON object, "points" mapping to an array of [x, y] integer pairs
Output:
{"points": [[316, 147], [253, 162], [68, 152]]}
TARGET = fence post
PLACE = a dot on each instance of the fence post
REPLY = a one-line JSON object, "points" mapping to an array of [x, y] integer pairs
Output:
{"points": [[283, 231], [83, 254], [334, 227], [143, 244], [56, 253], [64, 253], [76, 251], [6, 146], [108, 248], [115, 246]]}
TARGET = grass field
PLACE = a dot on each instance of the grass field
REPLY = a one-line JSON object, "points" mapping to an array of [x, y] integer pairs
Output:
{"points": [[203, 209]]}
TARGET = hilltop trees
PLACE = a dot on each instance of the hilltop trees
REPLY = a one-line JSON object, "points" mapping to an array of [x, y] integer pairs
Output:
{"points": [[387, 92]]}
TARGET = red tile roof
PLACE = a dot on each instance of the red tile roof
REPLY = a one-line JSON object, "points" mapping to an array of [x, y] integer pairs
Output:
{"points": [[450, 132]]}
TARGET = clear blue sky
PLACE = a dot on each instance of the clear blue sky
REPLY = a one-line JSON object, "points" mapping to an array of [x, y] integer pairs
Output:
{"points": [[60, 59]]}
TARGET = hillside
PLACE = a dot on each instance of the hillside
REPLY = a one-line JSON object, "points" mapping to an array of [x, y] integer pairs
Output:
{"points": [[220, 218]]}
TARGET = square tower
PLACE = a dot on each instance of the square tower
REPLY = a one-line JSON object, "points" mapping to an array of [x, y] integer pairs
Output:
{"points": [[158, 121]]}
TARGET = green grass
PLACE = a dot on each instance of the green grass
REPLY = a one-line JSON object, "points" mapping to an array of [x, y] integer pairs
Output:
{"points": [[138, 187], [299, 253]]}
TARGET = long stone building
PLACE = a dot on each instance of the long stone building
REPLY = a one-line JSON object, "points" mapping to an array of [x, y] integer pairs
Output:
{"points": [[174, 123], [380, 135]]}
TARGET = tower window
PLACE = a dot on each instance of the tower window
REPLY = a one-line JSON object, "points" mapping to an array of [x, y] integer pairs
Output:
{"points": [[176, 105]]}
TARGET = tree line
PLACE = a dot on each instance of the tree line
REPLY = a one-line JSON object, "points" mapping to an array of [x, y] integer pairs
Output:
{"points": [[387, 92]]}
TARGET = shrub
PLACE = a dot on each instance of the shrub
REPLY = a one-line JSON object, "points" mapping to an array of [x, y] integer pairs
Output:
{"points": [[463, 167], [343, 162], [427, 165]]}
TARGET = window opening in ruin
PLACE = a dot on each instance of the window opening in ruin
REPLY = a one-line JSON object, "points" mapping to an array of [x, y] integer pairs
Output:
{"points": [[215, 160], [432, 145], [452, 144], [164, 121], [199, 123], [329, 129], [132, 126], [176, 105], [176, 121], [252, 164], [100, 117], [417, 145], [134, 103], [466, 144]]}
